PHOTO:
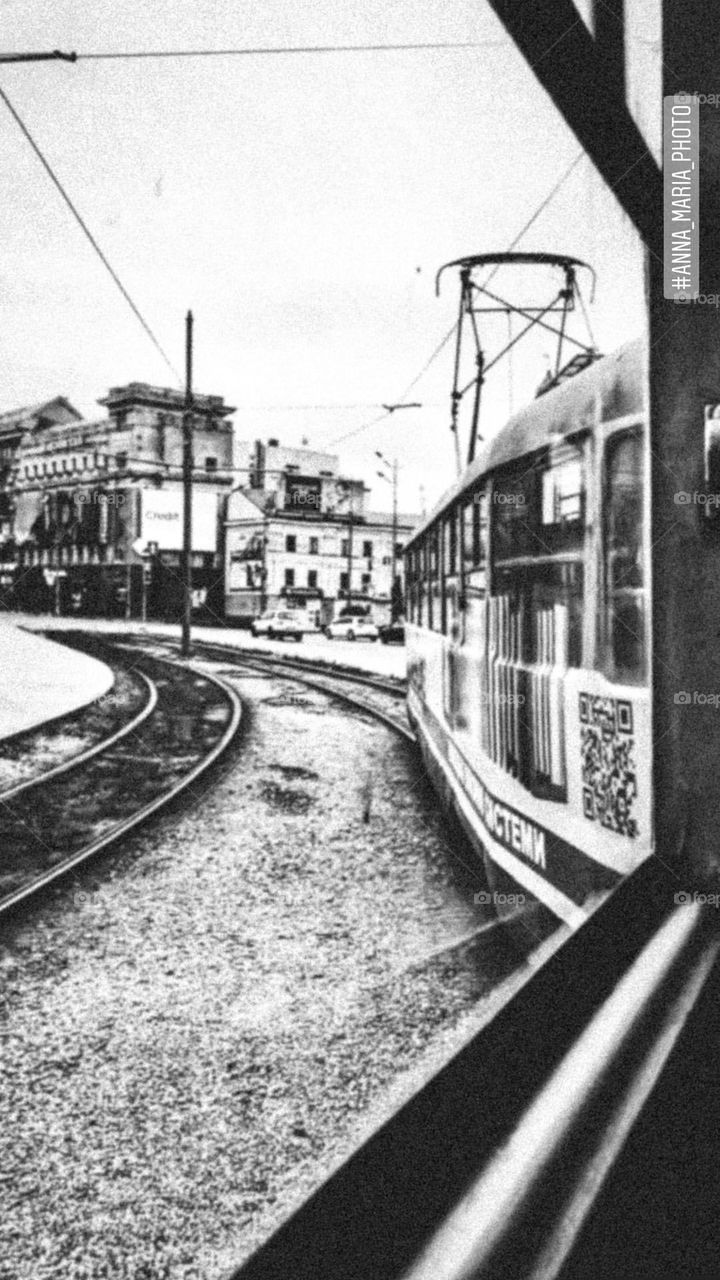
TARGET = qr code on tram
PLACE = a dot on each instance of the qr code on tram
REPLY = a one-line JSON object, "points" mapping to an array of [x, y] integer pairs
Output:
{"points": [[608, 767]]}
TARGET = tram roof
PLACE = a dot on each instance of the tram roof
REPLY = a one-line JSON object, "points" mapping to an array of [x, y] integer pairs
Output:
{"points": [[617, 379]]}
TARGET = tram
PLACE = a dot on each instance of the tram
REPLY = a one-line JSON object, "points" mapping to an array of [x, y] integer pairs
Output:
{"points": [[528, 641]]}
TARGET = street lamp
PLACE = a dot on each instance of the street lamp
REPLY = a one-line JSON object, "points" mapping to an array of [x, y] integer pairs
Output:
{"points": [[393, 480]]}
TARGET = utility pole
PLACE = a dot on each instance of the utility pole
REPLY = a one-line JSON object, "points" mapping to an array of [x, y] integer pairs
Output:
{"points": [[393, 574], [187, 470], [350, 549], [392, 479]]}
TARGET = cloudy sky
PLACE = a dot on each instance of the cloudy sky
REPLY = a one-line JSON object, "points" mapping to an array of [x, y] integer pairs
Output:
{"points": [[300, 204]]}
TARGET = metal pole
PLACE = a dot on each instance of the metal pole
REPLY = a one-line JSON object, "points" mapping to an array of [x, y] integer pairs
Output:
{"points": [[393, 575], [187, 491], [350, 551]]}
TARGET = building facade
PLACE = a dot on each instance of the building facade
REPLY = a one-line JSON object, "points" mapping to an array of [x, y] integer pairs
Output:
{"points": [[298, 534], [93, 510]]}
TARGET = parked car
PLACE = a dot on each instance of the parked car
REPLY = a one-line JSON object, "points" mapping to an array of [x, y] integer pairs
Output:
{"points": [[279, 623], [393, 632], [352, 628]]}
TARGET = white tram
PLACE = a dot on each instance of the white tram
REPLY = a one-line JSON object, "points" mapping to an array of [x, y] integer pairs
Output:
{"points": [[528, 641]]}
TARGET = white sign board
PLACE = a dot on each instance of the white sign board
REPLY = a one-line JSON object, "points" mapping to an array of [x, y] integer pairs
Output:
{"points": [[162, 519]]}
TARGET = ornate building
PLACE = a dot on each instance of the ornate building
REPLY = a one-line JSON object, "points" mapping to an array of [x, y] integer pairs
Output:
{"points": [[93, 510]]}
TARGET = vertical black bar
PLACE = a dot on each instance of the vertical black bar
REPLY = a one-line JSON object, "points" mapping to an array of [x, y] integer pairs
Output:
{"points": [[187, 469], [684, 347], [609, 30]]}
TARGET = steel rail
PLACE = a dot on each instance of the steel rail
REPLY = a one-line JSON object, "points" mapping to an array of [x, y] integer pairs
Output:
{"points": [[135, 820], [74, 762], [387, 685], [291, 673]]}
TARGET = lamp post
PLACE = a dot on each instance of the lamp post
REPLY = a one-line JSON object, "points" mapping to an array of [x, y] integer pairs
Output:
{"points": [[393, 572], [187, 470]]}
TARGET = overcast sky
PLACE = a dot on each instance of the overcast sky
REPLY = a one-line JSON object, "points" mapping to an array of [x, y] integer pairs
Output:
{"points": [[300, 205]]}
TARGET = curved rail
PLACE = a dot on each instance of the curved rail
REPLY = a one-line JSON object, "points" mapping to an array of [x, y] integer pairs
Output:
{"points": [[387, 685], [83, 756], [324, 685], [123, 828]]}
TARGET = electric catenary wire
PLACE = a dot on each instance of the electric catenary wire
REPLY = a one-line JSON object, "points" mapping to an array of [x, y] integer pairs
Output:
{"points": [[270, 50], [365, 426], [88, 233]]}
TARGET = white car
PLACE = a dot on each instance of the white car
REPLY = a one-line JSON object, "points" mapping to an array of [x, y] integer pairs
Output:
{"points": [[279, 622], [352, 629]]}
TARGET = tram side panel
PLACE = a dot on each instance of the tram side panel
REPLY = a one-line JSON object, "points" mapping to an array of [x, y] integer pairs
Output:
{"points": [[547, 755]]}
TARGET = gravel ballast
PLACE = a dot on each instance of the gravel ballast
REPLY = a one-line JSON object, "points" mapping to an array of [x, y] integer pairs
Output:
{"points": [[196, 1032]]}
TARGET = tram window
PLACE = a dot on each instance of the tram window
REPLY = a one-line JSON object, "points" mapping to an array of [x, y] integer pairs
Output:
{"points": [[514, 517], [624, 567], [474, 526], [410, 587], [435, 578], [563, 493], [469, 521], [451, 544]]}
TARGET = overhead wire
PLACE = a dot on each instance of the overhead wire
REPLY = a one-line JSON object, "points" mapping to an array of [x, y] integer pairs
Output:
{"points": [[269, 50], [453, 329], [88, 234]]}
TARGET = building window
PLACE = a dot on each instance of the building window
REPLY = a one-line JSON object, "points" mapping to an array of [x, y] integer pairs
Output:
{"points": [[289, 577], [345, 547], [211, 464], [290, 542], [312, 577], [367, 550], [399, 549], [344, 581], [366, 581], [314, 546]]}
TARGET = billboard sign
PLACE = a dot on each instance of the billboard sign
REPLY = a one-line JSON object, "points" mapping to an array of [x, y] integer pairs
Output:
{"points": [[302, 494], [161, 519]]}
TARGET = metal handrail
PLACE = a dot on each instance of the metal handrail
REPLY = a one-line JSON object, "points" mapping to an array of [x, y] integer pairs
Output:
{"points": [[493, 1167]]}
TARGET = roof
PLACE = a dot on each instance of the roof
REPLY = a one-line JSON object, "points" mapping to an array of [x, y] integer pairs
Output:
{"points": [[25, 417], [615, 384]]}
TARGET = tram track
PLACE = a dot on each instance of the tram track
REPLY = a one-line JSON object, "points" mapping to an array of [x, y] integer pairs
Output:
{"points": [[325, 677], [54, 823]]}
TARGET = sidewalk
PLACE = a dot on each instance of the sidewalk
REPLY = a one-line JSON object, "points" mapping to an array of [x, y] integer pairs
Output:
{"points": [[40, 680], [366, 655]]}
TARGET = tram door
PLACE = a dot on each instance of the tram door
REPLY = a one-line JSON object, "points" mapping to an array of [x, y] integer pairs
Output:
{"points": [[465, 593]]}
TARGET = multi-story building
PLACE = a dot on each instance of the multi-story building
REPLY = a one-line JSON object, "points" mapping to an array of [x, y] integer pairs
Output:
{"points": [[298, 533], [16, 427], [96, 507]]}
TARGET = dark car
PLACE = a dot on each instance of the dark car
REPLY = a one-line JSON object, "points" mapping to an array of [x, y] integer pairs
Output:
{"points": [[393, 632]]}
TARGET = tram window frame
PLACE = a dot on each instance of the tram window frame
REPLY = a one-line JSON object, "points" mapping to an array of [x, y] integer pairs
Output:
{"points": [[543, 561], [636, 672]]}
